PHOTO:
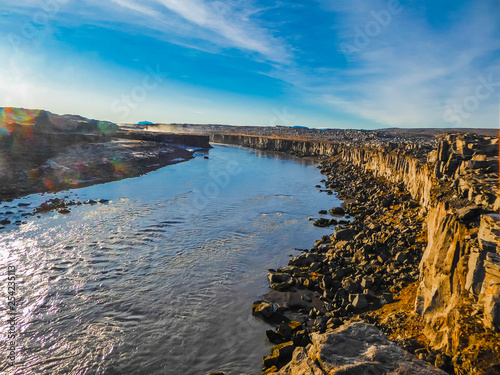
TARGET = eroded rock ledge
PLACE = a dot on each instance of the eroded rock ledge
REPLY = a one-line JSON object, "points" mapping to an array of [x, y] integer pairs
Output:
{"points": [[354, 348]]}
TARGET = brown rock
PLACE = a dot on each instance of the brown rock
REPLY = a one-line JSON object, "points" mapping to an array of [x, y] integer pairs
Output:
{"points": [[489, 232], [262, 309], [360, 348], [280, 354], [301, 364], [468, 213], [492, 307]]}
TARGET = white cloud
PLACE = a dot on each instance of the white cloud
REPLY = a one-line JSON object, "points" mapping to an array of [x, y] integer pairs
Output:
{"points": [[132, 5], [223, 23], [214, 17], [208, 25], [410, 72]]}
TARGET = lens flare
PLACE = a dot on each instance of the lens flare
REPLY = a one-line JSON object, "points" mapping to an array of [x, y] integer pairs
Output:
{"points": [[9, 117], [49, 184]]}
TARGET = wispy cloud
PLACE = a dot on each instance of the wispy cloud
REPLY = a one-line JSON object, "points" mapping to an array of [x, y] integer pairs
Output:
{"points": [[229, 23], [410, 71], [132, 5], [223, 24]]}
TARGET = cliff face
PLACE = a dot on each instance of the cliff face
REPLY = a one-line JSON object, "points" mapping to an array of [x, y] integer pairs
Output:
{"points": [[395, 166], [442, 276], [456, 185], [290, 146], [460, 268]]}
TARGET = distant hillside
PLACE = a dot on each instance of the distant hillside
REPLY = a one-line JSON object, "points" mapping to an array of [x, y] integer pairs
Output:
{"points": [[21, 122], [29, 137]]}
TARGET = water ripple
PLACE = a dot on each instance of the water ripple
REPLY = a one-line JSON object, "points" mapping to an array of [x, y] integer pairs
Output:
{"points": [[147, 285]]}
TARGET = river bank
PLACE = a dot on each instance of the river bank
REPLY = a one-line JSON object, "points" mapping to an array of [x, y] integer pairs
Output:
{"points": [[364, 265], [87, 164], [419, 259], [45, 152]]}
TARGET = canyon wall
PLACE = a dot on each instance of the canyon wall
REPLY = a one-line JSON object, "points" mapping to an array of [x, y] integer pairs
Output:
{"points": [[457, 187], [290, 146]]}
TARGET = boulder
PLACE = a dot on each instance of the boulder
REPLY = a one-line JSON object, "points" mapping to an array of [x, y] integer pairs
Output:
{"points": [[279, 277], [360, 348], [337, 211], [349, 285], [344, 235], [360, 302], [366, 282], [355, 348], [262, 309], [323, 248], [294, 300], [274, 337], [280, 354], [400, 257], [270, 361], [301, 364], [303, 260], [322, 223]]}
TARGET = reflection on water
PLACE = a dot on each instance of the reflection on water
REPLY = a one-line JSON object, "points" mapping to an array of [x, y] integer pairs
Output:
{"points": [[160, 280]]}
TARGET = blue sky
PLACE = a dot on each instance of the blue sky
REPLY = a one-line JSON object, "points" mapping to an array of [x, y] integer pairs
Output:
{"points": [[318, 63]]}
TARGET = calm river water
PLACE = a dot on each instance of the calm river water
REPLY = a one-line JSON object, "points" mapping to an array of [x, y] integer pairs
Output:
{"points": [[161, 279]]}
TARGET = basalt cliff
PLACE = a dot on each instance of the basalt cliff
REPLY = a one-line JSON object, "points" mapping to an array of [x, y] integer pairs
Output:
{"points": [[290, 146], [452, 188]]}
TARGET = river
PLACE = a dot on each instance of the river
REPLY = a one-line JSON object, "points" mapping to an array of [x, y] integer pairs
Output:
{"points": [[161, 279]]}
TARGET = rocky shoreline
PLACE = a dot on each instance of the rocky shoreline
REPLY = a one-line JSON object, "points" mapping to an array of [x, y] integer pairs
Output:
{"points": [[360, 268], [43, 152], [418, 222], [84, 165]]}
